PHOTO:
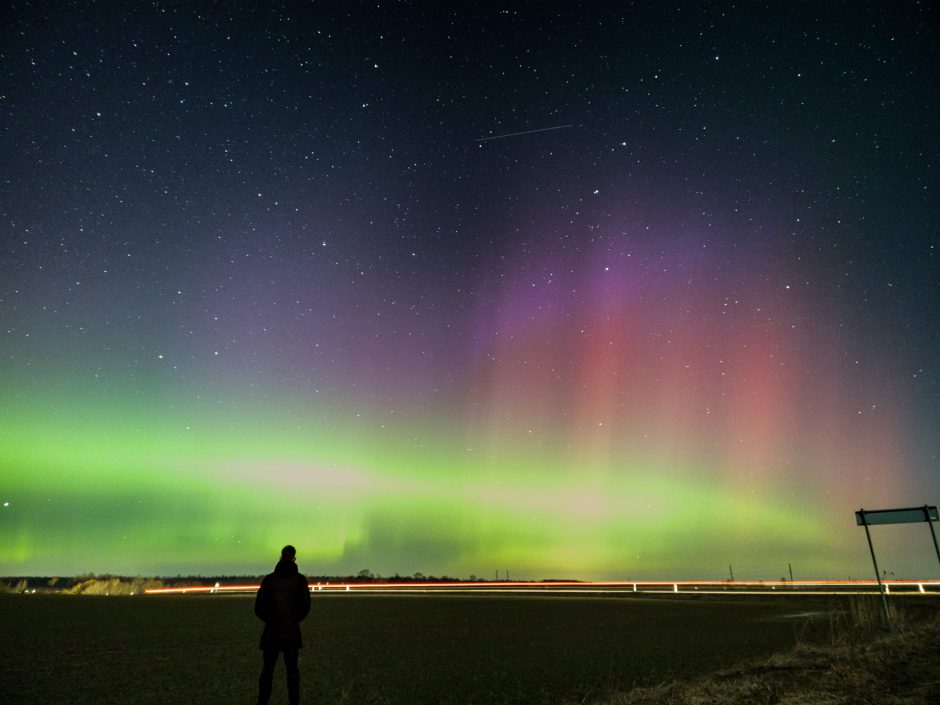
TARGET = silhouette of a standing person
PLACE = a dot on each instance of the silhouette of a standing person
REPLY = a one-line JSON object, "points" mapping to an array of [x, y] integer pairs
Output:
{"points": [[283, 600]]}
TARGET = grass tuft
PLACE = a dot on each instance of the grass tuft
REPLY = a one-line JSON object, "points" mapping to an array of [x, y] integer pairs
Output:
{"points": [[862, 664]]}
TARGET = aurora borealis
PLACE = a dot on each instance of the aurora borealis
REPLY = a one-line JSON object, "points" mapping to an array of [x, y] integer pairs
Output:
{"points": [[263, 281]]}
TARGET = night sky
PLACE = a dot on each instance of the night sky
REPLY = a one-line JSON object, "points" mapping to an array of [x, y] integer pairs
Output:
{"points": [[572, 290]]}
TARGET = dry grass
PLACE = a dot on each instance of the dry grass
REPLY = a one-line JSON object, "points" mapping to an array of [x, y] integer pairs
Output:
{"points": [[861, 665]]}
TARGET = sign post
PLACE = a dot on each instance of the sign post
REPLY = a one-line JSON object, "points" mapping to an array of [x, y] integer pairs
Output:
{"points": [[884, 600], [895, 516], [933, 533]]}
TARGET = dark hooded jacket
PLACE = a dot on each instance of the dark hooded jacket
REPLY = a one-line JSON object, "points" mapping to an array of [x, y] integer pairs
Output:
{"points": [[283, 600]]}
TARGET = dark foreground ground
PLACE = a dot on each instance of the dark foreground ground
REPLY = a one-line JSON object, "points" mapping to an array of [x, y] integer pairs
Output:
{"points": [[878, 668], [364, 650]]}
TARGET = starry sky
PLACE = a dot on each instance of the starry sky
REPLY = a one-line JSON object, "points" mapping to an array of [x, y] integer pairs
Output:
{"points": [[581, 290]]}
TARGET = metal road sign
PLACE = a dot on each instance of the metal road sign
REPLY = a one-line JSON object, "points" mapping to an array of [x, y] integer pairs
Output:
{"points": [[911, 515], [908, 515]]}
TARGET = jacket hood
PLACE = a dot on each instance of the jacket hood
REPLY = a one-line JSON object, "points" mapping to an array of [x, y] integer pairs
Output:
{"points": [[285, 567]]}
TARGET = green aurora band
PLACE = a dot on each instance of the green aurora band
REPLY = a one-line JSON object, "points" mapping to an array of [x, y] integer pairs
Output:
{"points": [[129, 494]]}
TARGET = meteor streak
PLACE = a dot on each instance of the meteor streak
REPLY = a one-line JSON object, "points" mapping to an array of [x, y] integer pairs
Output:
{"points": [[524, 132]]}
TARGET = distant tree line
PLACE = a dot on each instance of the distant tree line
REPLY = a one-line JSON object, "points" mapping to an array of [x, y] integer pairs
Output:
{"points": [[86, 584]]}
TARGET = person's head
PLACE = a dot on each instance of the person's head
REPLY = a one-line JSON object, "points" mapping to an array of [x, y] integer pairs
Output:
{"points": [[288, 553]]}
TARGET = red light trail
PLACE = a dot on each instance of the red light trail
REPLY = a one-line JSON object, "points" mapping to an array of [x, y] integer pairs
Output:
{"points": [[570, 587]]}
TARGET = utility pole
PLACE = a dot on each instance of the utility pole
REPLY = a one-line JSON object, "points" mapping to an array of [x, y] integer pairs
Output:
{"points": [[731, 572], [791, 572]]}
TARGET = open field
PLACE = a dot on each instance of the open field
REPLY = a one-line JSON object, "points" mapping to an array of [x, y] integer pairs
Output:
{"points": [[390, 649]]}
